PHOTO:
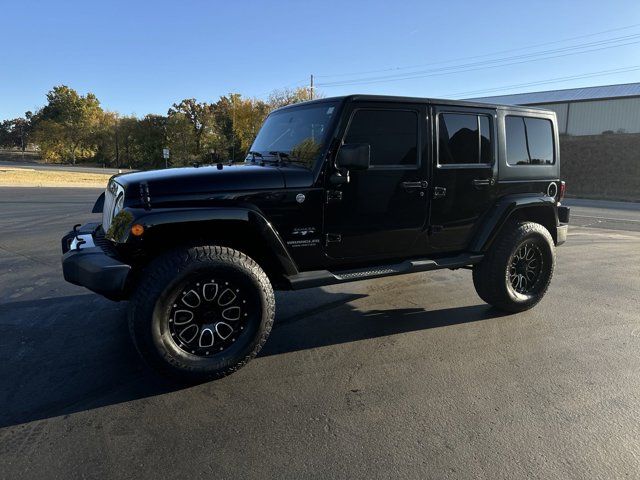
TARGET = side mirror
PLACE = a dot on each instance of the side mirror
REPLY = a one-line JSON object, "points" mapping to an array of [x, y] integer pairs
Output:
{"points": [[354, 156]]}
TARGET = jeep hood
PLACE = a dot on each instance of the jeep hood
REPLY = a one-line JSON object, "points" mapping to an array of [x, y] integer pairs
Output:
{"points": [[205, 179]]}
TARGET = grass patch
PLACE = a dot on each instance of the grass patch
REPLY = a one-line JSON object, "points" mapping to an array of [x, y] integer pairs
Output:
{"points": [[24, 177]]}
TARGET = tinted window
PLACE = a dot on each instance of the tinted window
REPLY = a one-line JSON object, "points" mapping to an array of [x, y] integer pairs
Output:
{"points": [[392, 134], [529, 141], [464, 138], [540, 140], [485, 140], [517, 153]]}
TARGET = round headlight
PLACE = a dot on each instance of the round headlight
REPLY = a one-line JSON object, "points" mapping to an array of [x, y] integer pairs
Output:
{"points": [[119, 204]]}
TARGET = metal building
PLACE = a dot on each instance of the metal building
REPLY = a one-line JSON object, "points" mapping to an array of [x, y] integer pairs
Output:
{"points": [[585, 111]]}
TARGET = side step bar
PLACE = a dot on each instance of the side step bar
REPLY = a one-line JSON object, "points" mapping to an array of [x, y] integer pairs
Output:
{"points": [[318, 278]]}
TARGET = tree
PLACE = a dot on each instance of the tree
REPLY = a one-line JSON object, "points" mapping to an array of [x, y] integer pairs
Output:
{"points": [[148, 139], [181, 140], [249, 116], [74, 127], [200, 117], [287, 96], [66, 127], [15, 133], [127, 130], [107, 139]]}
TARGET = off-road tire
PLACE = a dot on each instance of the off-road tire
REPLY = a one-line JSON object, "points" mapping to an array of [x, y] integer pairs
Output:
{"points": [[159, 283], [491, 276]]}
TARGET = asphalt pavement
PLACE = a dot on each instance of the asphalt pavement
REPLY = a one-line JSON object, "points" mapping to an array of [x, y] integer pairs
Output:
{"points": [[399, 377]]}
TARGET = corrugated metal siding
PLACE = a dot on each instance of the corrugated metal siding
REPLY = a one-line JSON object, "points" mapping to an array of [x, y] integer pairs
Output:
{"points": [[567, 95], [593, 118], [561, 113]]}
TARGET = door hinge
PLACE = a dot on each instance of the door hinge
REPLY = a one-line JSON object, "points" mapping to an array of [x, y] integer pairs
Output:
{"points": [[332, 238], [334, 196]]}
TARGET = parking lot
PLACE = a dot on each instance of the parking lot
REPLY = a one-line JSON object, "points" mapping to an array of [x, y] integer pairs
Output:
{"points": [[399, 377]]}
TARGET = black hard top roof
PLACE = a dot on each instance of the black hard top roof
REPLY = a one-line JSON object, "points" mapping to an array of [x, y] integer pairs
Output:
{"points": [[397, 99]]}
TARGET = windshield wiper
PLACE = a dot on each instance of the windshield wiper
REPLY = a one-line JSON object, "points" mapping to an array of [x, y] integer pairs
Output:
{"points": [[281, 155], [254, 155]]}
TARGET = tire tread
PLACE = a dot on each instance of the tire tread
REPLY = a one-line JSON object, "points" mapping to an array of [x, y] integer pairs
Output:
{"points": [[489, 275], [154, 280]]}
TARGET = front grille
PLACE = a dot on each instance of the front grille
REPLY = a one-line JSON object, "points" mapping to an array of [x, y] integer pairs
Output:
{"points": [[110, 195], [100, 240]]}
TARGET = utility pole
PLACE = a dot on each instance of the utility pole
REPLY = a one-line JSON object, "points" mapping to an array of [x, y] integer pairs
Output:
{"points": [[311, 87]]}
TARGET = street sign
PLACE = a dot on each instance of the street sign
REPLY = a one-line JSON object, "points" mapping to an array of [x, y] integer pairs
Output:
{"points": [[165, 153]]}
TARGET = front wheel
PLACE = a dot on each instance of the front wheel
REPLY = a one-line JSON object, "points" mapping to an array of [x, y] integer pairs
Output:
{"points": [[516, 272], [201, 313]]}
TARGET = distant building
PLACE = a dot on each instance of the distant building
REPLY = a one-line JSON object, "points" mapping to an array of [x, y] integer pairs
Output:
{"points": [[585, 111]]}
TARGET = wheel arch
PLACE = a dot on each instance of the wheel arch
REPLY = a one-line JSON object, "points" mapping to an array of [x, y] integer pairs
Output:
{"points": [[534, 208], [242, 229]]}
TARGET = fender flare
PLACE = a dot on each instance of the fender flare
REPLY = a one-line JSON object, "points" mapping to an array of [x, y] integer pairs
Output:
{"points": [[181, 217], [503, 210]]}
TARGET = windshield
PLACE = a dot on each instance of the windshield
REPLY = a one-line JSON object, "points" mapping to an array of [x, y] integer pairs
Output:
{"points": [[295, 135]]}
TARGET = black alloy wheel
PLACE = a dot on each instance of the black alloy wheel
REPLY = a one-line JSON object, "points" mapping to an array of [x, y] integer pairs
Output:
{"points": [[526, 265], [207, 315], [201, 313], [515, 273]]}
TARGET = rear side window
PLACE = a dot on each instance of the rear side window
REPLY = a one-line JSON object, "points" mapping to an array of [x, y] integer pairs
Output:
{"points": [[392, 135], [529, 141], [464, 139]]}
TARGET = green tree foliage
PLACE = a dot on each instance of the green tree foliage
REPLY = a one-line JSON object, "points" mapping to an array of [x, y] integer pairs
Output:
{"points": [[15, 133], [150, 137], [72, 127], [200, 118], [66, 127]]}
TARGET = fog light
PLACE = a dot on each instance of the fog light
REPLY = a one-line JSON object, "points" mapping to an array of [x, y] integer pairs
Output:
{"points": [[137, 230]]}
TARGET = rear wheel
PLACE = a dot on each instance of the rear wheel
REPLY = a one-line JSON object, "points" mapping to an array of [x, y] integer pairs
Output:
{"points": [[201, 313], [515, 274]]}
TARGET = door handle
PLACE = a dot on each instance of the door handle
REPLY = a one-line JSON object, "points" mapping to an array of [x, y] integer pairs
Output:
{"points": [[483, 182], [418, 185]]}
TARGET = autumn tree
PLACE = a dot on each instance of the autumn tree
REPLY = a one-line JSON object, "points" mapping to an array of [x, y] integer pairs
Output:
{"points": [[288, 96], [200, 116], [249, 116], [74, 127], [66, 127]]}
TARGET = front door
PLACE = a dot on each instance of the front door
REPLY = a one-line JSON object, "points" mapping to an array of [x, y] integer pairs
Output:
{"points": [[464, 174], [380, 211]]}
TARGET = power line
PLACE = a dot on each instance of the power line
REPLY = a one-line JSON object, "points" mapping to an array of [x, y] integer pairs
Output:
{"points": [[595, 34], [547, 81], [299, 83], [531, 56], [485, 65]]}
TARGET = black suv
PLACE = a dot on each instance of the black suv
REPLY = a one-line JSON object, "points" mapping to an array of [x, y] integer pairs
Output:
{"points": [[332, 191]]}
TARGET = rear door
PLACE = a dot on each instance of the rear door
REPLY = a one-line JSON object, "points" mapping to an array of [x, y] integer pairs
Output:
{"points": [[464, 173], [382, 210]]}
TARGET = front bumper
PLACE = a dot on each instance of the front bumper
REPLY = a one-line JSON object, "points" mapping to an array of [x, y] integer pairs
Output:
{"points": [[85, 263]]}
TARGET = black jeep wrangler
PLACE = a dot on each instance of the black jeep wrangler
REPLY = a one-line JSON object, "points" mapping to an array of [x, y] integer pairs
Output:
{"points": [[332, 191]]}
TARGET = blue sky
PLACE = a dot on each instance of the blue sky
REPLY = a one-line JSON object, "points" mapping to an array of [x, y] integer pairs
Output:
{"points": [[140, 57]]}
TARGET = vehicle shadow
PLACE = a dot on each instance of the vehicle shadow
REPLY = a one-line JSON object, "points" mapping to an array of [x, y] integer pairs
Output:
{"points": [[347, 324], [66, 355]]}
